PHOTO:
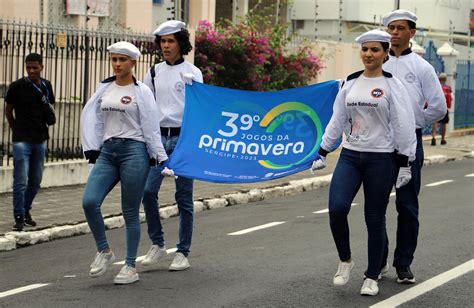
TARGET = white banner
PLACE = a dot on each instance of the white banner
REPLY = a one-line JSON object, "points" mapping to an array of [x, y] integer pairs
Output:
{"points": [[96, 7]]}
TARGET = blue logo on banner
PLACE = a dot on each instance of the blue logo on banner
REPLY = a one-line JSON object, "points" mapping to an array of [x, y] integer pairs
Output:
{"points": [[235, 136]]}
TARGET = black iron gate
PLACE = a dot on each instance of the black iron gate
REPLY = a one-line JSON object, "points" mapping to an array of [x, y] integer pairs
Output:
{"points": [[75, 60]]}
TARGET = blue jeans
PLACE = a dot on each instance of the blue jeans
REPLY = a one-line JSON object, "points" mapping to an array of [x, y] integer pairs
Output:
{"points": [[407, 208], [123, 160], [376, 172], [28, 162], [184, 200]]}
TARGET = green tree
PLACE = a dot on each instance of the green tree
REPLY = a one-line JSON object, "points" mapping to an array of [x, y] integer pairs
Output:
{"points": [[252, 54]]}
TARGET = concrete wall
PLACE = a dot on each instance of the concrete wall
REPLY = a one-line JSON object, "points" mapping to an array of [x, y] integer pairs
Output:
{"points": [[201, 9], [71, 172], [138, 15], [20, 9], [339, 59]]}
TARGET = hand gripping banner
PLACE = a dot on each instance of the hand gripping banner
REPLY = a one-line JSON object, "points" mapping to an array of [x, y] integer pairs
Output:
{"points": [[236, 136]]}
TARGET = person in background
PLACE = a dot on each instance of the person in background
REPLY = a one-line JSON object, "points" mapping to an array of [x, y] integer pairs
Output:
{"points": [[449, 99], [28, 100], [422, 85], [373, 111], [121, 138], [167, 80]]}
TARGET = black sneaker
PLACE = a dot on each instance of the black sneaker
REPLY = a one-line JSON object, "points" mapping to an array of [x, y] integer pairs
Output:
{"points": [[405, 276], [19, 223], [443, 142], [433, 141], [29, 221]]}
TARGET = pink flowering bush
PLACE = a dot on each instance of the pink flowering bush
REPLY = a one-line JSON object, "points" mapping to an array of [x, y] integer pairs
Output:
{"points": [[250, 55]]}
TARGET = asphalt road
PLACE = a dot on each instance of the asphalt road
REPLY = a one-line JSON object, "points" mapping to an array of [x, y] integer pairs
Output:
{"points": [[289, 264]]}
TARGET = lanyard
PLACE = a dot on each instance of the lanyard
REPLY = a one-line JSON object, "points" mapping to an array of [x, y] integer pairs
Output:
{"points": [[45, 97]]}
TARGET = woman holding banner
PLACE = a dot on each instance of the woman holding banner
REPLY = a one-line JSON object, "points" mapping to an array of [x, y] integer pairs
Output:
{"points": [[121, 138], [167, 80], [373, 111]]}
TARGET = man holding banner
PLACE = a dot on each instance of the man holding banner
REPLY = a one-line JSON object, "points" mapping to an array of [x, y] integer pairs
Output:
{"points": [[167, 81]]}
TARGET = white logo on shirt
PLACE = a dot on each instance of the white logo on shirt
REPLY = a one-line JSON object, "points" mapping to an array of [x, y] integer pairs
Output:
{"points": [[376, 93], [410, 78], [125, 100], [179, 86]]}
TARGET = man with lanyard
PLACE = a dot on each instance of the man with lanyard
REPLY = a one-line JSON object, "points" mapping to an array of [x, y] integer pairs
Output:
{"points": [[27, 97], [421, 82], [167, 81]]}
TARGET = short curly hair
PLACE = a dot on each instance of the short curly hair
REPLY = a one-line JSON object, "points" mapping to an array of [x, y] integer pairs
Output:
{"points": [[183, 41]]}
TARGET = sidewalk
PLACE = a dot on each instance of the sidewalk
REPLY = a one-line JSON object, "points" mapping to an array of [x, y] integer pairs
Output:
{"points": [[62, 206]]}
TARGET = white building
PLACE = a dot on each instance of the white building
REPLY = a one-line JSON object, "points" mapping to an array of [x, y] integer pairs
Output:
{"points": [[342, 20]]}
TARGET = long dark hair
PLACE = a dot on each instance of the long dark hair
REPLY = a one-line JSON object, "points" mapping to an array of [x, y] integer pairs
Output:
{"points": [[183, 41]]}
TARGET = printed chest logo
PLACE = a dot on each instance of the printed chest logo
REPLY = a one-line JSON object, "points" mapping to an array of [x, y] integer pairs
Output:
{"points": [[410, 78], [126, 100], [376, 93], [179, 86]]}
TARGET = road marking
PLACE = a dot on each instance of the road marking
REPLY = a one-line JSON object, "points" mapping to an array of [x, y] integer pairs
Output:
{"points": [[321, 211], [23, 289], [171, 250], [327, 210], [271, 224], [469, 175], [70, 276], [438, 183], [426, 286], [392, 194]]}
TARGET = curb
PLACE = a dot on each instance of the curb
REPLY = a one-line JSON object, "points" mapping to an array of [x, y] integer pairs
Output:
{"points": [[17, 239]]}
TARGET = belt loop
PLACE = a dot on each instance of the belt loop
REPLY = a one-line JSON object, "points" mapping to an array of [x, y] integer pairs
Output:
{"points": [[169, 131]]}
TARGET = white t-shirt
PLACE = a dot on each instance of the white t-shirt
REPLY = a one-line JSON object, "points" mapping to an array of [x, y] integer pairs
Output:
{"points": [[120, 113], [170, 90], [368, 109], [374, 114]]}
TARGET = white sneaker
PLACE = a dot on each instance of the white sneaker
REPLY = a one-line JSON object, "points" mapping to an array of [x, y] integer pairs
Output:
{"points": [[343, 273], [180, 262], [370, 287], [126, 275], [154, 255], [383, 271], [100, 264]]}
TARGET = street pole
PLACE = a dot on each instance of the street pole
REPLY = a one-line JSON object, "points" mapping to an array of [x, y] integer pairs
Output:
{"points": [[277, 13], [316, 17], [85, 92]]}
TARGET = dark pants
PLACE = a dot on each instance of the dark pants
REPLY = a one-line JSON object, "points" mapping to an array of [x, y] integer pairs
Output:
{"points": [[407, 208], [184, 199], [376, 172]]}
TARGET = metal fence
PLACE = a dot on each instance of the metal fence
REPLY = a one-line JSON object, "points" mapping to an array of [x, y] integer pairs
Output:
{"points": [[438, 64], [464, 94], [432, 57], [75, 61]]}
